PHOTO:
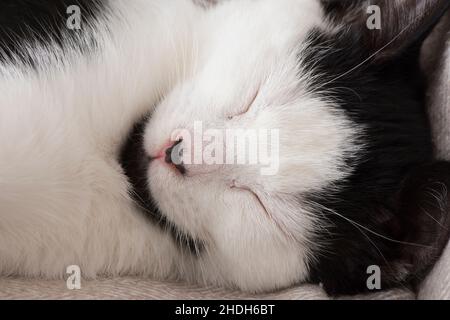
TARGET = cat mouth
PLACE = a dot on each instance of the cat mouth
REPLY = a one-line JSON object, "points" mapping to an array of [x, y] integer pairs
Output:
{"points": [[135, 164]]}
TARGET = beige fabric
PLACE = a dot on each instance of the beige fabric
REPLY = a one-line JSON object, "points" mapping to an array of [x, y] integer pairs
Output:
{"points": [[133, 288], [437, 286]]}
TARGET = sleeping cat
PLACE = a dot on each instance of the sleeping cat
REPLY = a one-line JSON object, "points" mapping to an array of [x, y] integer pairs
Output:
{"points": [[96, 165]]}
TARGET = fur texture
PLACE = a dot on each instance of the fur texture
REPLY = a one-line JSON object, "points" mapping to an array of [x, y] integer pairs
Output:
{"points": [[64, 198], [85, 117]]}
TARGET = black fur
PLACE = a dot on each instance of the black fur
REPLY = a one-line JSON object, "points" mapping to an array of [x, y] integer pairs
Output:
{"points": [[384, 196], [135, 163], [31, 22]]}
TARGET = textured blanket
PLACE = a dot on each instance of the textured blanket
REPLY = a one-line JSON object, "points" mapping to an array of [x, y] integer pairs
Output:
{"points": [[437, 61]]}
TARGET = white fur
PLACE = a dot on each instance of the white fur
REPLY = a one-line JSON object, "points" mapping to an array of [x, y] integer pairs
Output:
{"points": [[63, 196]]}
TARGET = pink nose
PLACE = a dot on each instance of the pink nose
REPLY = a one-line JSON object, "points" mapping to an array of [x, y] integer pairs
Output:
{"points": [[172, 155]]}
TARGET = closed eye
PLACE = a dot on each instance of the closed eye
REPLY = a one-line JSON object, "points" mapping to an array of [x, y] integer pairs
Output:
{"points": [[247, 108], [234, 185], [251, 192]]}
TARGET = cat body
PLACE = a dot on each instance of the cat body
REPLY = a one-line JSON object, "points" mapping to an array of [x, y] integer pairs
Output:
{"points": [[64, 197], [88, 120]]}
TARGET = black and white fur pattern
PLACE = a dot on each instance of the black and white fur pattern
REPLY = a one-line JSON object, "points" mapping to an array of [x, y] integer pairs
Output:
{"points": [[83, 113]]}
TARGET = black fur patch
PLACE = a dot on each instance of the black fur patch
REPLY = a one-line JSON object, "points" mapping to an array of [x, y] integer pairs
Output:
{"points": [[31, 22], [388, 102], [135, 162]]}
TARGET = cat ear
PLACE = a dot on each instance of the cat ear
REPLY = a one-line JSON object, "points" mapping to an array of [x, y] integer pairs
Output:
{"points": [[388, 28], [423, 221]]}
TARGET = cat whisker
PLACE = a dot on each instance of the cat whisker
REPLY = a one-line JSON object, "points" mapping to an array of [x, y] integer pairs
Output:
{"points": [[356, 224], [376, 53]]}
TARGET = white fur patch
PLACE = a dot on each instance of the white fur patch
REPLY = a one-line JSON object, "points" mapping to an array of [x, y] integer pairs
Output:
{"points": [[63, 196]]}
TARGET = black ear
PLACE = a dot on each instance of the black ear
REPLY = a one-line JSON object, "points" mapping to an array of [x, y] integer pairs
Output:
{"points": [[423, 220], [404, 24]]}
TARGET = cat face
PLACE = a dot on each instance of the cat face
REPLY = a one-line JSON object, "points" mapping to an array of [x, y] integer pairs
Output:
{"points": [[250, 215], [266, 155]]}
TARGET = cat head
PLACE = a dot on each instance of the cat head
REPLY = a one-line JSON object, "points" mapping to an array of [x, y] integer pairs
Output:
{"points": [[282, 154]]}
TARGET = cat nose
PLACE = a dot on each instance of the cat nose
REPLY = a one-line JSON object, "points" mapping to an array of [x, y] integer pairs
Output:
{"points": [[173, 156], [173, 153]]}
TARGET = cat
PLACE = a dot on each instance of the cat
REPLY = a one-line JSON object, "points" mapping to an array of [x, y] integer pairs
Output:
{"points": [[94, 138]]}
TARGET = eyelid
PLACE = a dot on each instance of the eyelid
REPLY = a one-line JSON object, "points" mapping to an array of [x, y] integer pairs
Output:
{"points": [[247, 109], [235, 185]]}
